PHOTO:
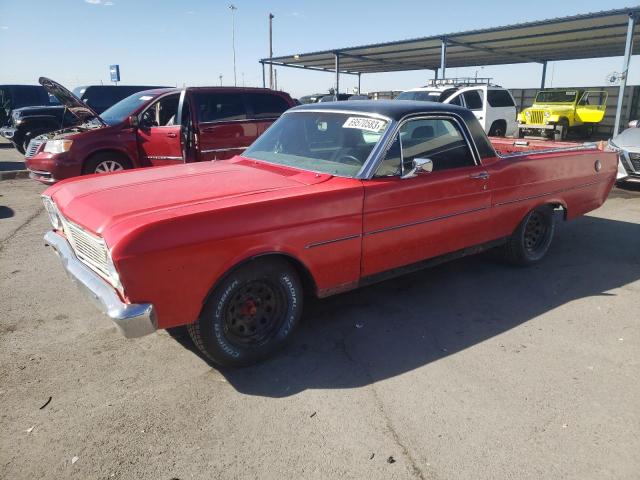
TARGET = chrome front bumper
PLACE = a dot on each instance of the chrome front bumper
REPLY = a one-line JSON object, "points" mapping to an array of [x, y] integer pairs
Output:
{"points": [[133, 320]]}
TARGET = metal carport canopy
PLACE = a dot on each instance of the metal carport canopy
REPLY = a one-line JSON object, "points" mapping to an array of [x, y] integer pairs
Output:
{"points": [[591, 35]]}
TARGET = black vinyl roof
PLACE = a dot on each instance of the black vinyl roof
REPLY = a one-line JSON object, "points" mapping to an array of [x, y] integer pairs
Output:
{"points": [[591, 35]]}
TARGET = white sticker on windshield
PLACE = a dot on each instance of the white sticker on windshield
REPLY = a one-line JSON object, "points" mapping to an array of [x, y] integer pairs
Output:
{"points": [[365, 123], [146, 97]]}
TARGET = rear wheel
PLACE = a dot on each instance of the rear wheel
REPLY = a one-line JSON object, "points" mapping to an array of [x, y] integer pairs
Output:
{"points": [[251, 314], [532, 239], [106, 162], [498, 129]]}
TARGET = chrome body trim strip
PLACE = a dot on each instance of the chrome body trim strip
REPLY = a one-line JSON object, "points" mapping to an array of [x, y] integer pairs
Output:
{"points": [[163, 157], [577, 148], [133, 320], [335, 240], [426, 220], [523, 199]]}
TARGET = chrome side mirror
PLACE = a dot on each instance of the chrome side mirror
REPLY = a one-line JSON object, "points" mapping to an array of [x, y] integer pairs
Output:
{"points": [[420, 165]]}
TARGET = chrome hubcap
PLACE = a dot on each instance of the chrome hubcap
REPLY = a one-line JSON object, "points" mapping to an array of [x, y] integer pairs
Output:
{"points": [[108, 166]]}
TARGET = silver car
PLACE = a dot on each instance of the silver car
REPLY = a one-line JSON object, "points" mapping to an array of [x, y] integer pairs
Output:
{"points": [[627, 144]]}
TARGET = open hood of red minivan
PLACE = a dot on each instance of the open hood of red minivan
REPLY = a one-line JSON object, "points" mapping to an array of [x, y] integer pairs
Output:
{"points": [[74, 104]]}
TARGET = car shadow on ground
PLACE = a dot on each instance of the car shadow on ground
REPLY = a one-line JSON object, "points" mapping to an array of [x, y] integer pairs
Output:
{"points": [[384, 330], [6, 212], [10, 166]]}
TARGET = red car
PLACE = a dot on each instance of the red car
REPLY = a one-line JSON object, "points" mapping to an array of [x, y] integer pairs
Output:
{"points": [[333, 196], [154, 127]]}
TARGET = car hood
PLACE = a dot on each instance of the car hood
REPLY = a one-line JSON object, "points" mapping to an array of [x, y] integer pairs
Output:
{"points": [[80, 109], [629, 138], [100, 202]]}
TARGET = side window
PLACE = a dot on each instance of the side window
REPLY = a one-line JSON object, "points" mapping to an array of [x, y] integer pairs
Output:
{"points": [[266, 105], [473, 99], [597, 98], [499, 98], [162, 113], [219, 107], [437, 139], [457, 100]]}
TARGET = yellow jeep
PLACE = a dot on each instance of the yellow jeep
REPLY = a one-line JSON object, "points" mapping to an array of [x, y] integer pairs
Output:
{"points": [[555, 112]]}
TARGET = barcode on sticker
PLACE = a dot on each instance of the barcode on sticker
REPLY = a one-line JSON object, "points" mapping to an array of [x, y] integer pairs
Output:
{"points": [[364, 123]]}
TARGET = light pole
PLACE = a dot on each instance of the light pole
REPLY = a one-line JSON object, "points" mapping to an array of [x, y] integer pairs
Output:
{"points": [[220, 77], [233, 9], [271, 50]]}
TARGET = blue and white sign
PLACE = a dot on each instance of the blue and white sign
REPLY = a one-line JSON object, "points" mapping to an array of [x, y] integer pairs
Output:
{"points": [[114, 70]]}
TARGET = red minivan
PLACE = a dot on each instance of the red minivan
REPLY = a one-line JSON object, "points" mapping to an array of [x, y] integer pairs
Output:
{"points": [[152, 128]]}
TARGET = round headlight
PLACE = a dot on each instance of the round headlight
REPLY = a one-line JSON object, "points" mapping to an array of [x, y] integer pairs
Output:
{"points": [[547, 114], [527, 114]]}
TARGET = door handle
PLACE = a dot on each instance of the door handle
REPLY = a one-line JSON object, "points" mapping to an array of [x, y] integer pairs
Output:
{"points": [[172, 135], [479, 176]]}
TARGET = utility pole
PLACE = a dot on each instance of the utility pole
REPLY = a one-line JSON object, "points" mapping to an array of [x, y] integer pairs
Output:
{"points": [[220, 77], [275, 78], [233, 9], [271, 17]]}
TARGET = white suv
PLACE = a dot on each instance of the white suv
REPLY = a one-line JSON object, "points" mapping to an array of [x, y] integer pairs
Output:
{"points": [[492, 105]]}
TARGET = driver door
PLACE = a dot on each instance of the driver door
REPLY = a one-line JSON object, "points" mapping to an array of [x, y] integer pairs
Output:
{"points": [[159, 137], [407, 220]]}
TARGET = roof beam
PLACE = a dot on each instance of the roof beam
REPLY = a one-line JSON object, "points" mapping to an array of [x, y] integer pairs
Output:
{"points": [[492, 51], [305, 67], [382, 61]]}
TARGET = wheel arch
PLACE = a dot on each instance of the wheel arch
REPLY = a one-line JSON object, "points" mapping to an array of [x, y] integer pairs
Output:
{"points": [[309, 285], [100, 151]]}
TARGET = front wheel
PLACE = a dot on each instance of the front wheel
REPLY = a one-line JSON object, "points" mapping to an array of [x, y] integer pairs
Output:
{"points": [[106, 162], [532, 239], [251, 314]]}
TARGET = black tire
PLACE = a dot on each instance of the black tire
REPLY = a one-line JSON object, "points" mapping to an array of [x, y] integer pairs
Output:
{"points": [[20, 147], [564, 123], [531, 241], [99, 162], [587, 130], [498, 129], [251, 314]]}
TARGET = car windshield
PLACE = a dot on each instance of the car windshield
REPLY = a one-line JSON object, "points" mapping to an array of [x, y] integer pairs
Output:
{"points": [[559, 96], [121, 110], [325, 142], [425, 96]]}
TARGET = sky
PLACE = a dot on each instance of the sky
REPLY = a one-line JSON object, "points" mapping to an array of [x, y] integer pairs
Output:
{"points": [[189, 42]]}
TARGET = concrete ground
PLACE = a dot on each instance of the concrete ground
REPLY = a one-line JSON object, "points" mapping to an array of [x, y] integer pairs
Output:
{"points": [[10, 158], [471, 370]]}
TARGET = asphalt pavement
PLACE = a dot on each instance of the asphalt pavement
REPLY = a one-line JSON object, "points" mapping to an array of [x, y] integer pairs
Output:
{"points": [[470, 370]]}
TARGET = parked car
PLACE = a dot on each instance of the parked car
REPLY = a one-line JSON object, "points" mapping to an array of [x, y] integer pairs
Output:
{"points": [[323, 202], [101, 97], [314, 98], [627, 144], [16, 96], [152, 128], [555, 113], [341, 97], [27, 123], [492, 105]]}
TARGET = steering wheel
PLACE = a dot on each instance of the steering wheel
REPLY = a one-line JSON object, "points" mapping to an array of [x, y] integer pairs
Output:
{"points": [[349, 160]]}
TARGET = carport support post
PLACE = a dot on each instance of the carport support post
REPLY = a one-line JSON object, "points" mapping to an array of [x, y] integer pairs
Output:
{"points": [[264, 84], [443, 58], [358, 83], [544, 74], [625, 70], [337, 55]]}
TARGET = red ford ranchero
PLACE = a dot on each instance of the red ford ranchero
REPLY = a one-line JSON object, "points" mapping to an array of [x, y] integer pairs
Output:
{"points": [[331, 197]]}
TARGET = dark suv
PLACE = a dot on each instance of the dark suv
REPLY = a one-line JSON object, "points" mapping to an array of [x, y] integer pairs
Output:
{"points": [[16, 96], [152, 128], [29, 122]]}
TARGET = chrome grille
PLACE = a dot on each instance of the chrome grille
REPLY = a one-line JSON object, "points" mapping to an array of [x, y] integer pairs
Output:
{"points": [[536, 116], [634, 158], [88, 248], [33, 147]]}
